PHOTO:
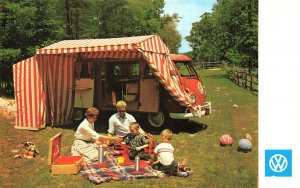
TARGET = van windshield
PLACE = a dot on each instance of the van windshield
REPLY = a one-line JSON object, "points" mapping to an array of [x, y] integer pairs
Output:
{"points": [[185, 69]]}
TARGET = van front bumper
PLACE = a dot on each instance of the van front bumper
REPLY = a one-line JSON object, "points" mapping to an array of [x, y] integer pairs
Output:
{"points": [[202, 110]]}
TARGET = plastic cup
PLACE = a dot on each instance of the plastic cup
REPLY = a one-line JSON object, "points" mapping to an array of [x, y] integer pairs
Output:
{"points": [[120, 160]]}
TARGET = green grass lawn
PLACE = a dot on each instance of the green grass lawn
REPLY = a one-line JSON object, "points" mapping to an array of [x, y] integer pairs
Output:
{"points": [[213, 165]]}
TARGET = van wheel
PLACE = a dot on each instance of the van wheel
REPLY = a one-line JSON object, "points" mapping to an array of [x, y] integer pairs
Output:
{"points": [[78, 114], [157, 120]]}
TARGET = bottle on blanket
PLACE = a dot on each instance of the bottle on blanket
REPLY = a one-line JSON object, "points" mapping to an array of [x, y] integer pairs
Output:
{"points": [[137, 163], [100, 153]]}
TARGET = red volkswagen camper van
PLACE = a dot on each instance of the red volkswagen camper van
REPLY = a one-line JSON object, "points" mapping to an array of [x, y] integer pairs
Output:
{"points": [[134, 82]]}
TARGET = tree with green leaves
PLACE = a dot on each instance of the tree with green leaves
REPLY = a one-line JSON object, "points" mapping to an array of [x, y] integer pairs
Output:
{"points": [[83, 19], [24, 26], [169, 32], [27, 25], [229, 33]]}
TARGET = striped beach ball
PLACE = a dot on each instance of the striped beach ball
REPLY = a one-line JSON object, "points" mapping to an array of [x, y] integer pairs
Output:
{"points": [[226, 140], [245, 145]]}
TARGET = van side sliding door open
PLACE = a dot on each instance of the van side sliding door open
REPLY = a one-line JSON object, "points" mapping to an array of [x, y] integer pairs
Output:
{"points": [[149, 95]]}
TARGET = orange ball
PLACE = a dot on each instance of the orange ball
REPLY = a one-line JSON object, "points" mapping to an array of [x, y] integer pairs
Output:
{"points": [[226, 140]]}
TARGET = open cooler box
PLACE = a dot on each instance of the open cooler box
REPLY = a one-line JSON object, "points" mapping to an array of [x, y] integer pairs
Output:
{"points": [[62, 164]]}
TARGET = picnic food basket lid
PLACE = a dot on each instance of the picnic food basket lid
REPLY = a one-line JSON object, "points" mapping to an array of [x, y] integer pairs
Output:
{"points": [[54, 148]]}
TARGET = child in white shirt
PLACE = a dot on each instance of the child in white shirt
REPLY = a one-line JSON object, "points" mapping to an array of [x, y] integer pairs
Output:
{"points": [[164, 156]]}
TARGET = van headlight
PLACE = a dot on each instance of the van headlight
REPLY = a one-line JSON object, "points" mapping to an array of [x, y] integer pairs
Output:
{"points": [[192, 98], [200, 88]]}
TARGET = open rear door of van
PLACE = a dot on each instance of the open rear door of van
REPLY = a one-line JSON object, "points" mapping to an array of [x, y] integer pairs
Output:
{"points": [[149, 95]]}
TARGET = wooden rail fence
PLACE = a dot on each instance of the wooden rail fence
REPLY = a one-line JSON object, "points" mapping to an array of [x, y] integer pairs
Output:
{"points": [[211, 65], [207, 65], [244, 79]]}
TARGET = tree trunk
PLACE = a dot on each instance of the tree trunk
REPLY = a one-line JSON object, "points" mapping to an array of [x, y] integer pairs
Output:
{"points": [[68, 19], [250, 66]]}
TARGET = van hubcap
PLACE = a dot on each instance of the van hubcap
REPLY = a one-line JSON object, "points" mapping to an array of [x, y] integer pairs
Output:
{"points": [[78, 114], [156, 119]]}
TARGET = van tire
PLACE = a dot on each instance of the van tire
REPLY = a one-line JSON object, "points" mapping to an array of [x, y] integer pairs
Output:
{"points": [[78, 115], [156, 120], [159, 120]]}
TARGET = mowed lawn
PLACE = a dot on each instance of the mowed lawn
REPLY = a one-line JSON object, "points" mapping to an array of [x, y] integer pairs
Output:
{"points": [[195, 143]]}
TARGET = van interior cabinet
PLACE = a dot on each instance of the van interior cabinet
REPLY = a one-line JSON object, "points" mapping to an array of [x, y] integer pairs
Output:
{"points": [[149, 89]]}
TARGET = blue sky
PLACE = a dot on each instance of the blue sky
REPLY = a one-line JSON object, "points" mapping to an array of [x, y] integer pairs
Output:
{"points": [[190, 11]]}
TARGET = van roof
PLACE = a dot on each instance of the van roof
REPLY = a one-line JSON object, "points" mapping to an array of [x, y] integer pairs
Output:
{"points": [[179, 57]]}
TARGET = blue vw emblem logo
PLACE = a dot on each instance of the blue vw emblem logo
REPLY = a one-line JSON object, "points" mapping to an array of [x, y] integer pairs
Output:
{"points": [[278, 163]]}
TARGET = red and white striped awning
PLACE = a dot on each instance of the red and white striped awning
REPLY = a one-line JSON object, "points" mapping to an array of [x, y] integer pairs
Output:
{"points": [[150, 43], [151, 47], [29, 95], [54, 67]]}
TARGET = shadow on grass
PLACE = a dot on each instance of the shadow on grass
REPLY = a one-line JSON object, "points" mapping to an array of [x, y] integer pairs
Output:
{"points": [[190, 127], [71, 126], [243, 151], [176, 126], [101, 125]]}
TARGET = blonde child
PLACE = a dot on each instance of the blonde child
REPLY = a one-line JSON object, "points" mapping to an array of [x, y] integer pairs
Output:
{"points": [[164, 156], [137, 142]]}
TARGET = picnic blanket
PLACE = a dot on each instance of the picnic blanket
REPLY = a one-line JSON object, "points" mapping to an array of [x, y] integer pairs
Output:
{"points": [[110, 170]]}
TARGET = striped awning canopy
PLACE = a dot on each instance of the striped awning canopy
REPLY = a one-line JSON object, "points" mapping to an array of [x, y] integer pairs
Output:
{"points": [[52, 71], [150, 43]]}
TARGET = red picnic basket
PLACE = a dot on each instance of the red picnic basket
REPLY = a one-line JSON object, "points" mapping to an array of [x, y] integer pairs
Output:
{"points": [[151, 147], [62, 164], [151, 142]]}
